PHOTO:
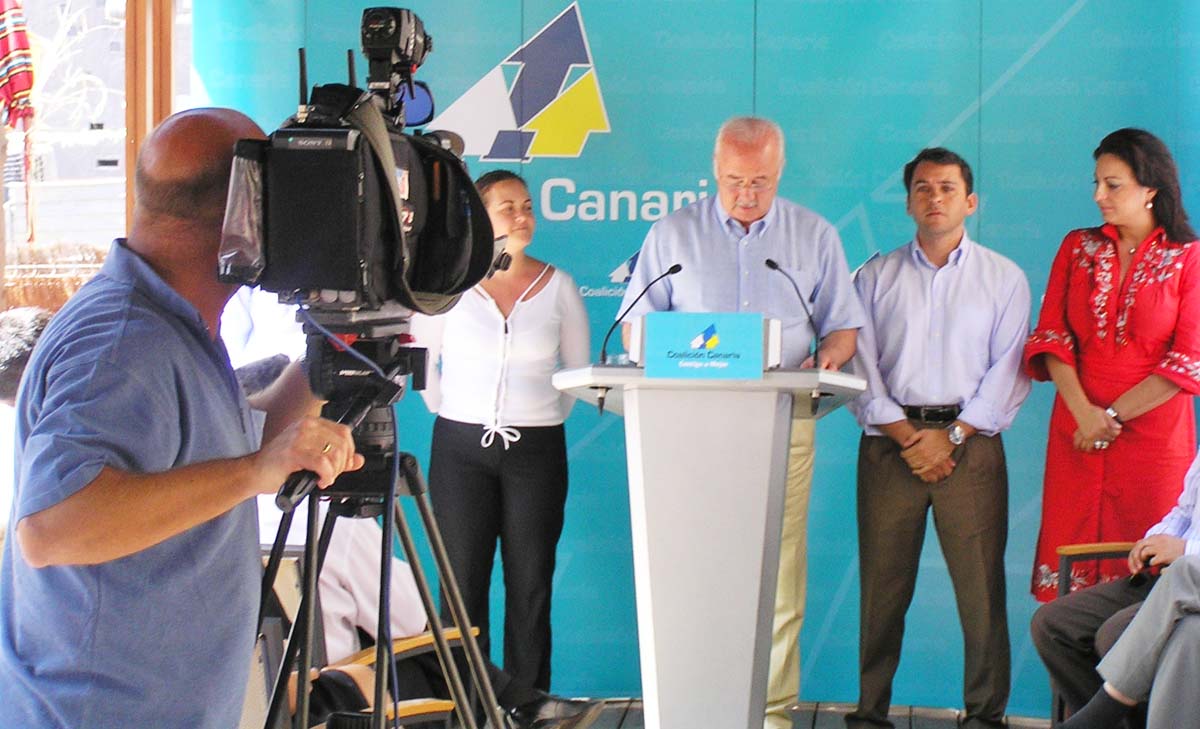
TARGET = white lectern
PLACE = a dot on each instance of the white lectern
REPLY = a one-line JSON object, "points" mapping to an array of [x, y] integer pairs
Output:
{"points": [[707, 470]]}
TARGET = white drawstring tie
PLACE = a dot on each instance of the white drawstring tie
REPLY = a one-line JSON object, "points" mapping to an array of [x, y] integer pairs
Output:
{"points": [[508, 435]]}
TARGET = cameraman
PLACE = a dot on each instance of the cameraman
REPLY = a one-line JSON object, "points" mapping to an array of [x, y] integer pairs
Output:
{"points": [[129, 591]]}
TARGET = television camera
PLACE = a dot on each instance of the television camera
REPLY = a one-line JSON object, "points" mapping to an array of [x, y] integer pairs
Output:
{"points": [[360, 224]]}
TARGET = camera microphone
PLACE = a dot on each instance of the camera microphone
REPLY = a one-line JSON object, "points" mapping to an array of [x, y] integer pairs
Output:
{"points": [[771, 264], [448, 141]]}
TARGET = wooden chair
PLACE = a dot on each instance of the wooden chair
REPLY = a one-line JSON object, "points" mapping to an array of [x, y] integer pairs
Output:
{"points": [[270, 651], [1068, 556]]}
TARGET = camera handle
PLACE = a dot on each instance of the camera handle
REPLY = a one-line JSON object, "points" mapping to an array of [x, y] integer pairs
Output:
{"points": [[301, 483]]}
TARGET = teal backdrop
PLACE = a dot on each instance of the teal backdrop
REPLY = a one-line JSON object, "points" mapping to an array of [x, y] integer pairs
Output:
{"points": [[1023, 89]]}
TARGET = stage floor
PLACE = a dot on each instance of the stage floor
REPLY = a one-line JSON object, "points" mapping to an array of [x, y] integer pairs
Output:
{"points": [[627, 714]]}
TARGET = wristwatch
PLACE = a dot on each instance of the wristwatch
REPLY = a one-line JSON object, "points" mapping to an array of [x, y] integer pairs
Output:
{"points": [[957, 434]]}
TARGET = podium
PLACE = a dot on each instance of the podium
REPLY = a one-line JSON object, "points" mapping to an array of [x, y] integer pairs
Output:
{"points": [[707, 475]]}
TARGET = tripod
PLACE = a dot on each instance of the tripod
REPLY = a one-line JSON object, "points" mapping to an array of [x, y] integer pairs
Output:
{"points": [[371, 491]]}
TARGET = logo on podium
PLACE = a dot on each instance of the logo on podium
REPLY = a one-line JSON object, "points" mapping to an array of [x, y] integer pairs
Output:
{"points": [[703, 346]]}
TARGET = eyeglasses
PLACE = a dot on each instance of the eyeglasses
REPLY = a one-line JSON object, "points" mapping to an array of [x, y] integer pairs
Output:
{"points": [[756, 185]]}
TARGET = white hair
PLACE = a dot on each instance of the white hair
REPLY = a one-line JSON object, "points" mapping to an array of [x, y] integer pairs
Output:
{"points": [[749, 131]]}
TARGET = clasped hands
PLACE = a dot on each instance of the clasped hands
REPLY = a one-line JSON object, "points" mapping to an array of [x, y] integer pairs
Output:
{"points": [[1096, 429], [927, 452]]}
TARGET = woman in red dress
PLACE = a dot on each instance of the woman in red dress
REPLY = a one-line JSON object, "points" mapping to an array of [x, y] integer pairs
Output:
{"points": [[1119, 334]]}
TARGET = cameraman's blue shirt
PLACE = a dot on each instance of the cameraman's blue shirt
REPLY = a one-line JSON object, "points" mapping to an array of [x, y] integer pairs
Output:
{"points": [[128, 376]]}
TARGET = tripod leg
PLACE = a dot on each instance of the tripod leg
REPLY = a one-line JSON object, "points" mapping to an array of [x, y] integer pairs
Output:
{"points": [[272, 568], [458, 692], [416, 486], [302, 628], [383, 629], [309, 614]]}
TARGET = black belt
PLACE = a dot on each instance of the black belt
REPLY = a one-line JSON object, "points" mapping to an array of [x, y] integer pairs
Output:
{"points": [[932, 413]]}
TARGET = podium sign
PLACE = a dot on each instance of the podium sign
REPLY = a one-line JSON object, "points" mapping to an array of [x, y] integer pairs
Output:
{"points": [[683, 345]]}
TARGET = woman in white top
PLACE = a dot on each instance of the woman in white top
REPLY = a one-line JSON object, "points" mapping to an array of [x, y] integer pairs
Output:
{"points": [[498, 468]]}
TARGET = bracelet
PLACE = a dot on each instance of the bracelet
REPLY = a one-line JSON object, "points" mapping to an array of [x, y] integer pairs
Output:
{"points": [[1111, 412]]}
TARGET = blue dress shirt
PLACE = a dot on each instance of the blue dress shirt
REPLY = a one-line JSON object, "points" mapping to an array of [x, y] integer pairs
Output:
{"points": [[724, 270], [1183, 521], [942, 336]]}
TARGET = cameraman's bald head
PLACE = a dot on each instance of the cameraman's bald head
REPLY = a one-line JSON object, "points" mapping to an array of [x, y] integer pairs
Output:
{"points": [[183, 165]]}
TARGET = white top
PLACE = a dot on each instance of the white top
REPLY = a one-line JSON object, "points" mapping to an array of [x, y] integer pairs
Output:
{"points": [[349, 587], [254, 326], [349, 580], [495, 371]]}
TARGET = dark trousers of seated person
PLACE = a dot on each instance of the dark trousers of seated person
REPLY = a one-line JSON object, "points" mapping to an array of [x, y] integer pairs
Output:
{"points": [[1074, 632], [970, 514], [421, 677], [515, 495]]}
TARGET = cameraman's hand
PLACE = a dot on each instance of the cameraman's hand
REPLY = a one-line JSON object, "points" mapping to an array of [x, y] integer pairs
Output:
{"points": [[309, 444]]}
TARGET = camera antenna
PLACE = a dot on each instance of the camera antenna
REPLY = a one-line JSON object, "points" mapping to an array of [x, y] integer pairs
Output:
{"points": [[303, 79], [302, 109], [350, 67]]}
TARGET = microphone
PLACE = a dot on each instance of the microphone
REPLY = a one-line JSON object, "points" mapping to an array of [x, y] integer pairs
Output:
{"points": [[604, 345], [771, 264], [603, 392]]}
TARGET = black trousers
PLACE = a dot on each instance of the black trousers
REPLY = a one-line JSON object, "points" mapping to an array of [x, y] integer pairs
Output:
{"points": [[1074, 632], [970, 514], [417, 677], [514, 495]]}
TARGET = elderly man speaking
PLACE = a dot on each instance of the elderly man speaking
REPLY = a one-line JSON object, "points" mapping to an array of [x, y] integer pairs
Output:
{"points": [[723, 244]]}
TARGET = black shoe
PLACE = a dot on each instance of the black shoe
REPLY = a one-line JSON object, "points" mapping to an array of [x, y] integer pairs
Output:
{"points": [[553, 712]]}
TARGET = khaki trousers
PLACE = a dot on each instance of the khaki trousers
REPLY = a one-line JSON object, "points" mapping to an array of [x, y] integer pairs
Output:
{"points": [[783, 680]]}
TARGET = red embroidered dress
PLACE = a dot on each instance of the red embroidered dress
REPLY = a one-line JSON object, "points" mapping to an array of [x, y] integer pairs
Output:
{"points": [[1115, 332]]}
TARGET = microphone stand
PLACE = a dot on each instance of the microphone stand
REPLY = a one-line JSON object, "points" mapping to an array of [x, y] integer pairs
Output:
{"points": [[603, 391], [771, 264]]}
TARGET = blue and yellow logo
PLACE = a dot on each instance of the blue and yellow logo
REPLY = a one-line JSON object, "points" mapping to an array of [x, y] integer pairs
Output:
{"points": [[541, 101], [707, 339]]}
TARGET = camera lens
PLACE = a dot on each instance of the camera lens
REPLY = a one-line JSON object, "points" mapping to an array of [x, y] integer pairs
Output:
{"points": [[378, 25]]}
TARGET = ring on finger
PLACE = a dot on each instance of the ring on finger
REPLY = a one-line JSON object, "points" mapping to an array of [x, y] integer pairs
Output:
{"points": [[329, 446]]}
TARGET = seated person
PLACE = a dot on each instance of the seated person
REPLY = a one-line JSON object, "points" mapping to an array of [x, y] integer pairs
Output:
{"points": [[349, 593], [1156, 659], [19, 331], [1072, 633], [335, 688]]}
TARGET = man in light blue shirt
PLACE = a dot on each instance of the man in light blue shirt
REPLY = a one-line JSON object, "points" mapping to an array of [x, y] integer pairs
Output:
{"points": [[1157, 658], [129, 587], [723, 244], [941, 353], [1075, 631]]}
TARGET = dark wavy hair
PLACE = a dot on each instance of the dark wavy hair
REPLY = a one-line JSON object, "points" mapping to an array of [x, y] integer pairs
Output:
{"points": [[19, 330], [1152, 167], [939, 156], [489, 179]]}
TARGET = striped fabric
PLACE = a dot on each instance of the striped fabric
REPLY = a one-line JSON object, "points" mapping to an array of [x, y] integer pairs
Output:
{"points": [[16, 65]]}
